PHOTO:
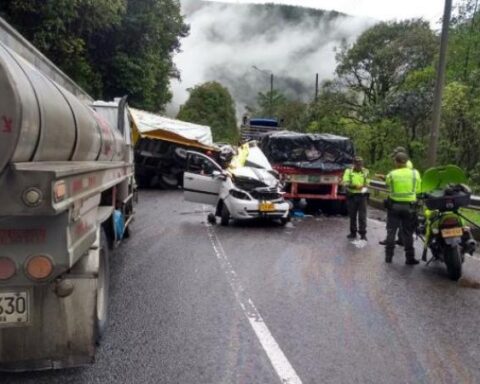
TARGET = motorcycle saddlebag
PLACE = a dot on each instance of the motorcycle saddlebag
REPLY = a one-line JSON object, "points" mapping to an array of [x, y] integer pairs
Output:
{"points": [[444, 202]]}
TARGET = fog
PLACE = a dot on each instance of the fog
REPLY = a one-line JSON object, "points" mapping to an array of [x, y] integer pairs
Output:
{"points": [[227, 40]]}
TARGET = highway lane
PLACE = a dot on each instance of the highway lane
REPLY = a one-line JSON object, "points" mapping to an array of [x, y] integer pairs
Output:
{"points": [[188, 302]]}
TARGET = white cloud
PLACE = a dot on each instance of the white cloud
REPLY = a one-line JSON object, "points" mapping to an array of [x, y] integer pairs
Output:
{"points": [[225, 42]]}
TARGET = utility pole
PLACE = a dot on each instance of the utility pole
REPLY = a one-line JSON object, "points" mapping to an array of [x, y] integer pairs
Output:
{"points": [[271, 95], [316, 88], [437, 103]]}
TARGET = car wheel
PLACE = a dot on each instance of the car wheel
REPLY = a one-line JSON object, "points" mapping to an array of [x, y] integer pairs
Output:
{"points": [[225, 215], [284, 221]]}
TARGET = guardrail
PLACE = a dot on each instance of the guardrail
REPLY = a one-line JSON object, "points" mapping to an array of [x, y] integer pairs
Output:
{"points": [[15, 41], [380, 186]]}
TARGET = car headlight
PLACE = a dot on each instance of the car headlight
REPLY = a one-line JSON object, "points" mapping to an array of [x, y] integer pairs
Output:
{"points": [[239, 194]]}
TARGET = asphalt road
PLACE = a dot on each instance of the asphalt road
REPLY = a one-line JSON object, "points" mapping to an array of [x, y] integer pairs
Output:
{"points": [[259, 303]]}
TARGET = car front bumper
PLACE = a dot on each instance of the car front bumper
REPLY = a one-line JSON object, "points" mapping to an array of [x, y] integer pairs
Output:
{"points": [[249, 209]]}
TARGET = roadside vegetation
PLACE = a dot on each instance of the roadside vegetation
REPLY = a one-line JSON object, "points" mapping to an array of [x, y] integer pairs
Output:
{"points": [[382, 94], [110, 48]]}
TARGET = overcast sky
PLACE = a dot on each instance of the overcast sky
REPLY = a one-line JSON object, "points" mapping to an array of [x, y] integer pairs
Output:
{"points": [[431, 10]]}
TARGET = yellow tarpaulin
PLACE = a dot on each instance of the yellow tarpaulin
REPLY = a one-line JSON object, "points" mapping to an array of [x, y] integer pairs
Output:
{"points": [[156, 127]]}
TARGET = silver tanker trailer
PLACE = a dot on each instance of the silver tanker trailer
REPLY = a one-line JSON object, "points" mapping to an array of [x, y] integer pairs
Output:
{"points": [[66, 198]]}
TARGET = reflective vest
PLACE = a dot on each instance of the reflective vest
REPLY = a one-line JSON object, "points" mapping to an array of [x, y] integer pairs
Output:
{"points": [[404, 184], [352, 178]]}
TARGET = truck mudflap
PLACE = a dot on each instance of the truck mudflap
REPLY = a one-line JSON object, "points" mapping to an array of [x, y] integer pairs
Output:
{"points": [[60, 328]]}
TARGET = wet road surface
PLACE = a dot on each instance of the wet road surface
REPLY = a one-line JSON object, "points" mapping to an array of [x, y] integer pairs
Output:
{"points": [[258, 303]]}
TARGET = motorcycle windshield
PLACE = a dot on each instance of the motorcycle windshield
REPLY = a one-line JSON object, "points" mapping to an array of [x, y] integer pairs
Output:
{"points": [[439, 177]]}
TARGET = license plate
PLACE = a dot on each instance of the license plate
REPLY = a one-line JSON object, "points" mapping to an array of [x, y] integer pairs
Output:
{"points": [[452, 232], [267, 206], [14, 308]]}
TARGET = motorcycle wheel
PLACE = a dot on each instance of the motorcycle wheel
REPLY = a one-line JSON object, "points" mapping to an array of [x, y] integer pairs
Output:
{"points": [[453, 260]]}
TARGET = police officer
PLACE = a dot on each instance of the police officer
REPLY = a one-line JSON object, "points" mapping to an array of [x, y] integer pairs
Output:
{"points": [[403, 184], [355, 180], [409, 166], [402, 150]]}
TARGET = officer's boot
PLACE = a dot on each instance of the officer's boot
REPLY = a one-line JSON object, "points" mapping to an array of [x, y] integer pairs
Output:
{"points": [[389, 255], [410, 258]]}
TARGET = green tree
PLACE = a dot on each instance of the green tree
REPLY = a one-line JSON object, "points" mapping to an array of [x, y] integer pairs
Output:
{"points": [[109, 47], [381, 59], [371, 82], [270, 103], [136, 59], [211, 104], [64, 29]]}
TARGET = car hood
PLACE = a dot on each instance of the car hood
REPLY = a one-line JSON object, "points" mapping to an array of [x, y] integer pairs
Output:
{"points": [[249, 178]]}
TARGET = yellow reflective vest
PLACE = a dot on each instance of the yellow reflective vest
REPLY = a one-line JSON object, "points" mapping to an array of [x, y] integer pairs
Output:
{"points": [[353, 179], [404, 184]]}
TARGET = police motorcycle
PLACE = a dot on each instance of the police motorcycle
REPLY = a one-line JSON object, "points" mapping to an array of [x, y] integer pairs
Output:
{"points": [[443, 226]]}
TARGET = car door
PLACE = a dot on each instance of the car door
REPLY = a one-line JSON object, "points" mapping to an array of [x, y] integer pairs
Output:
{"points": [[202, 179]]}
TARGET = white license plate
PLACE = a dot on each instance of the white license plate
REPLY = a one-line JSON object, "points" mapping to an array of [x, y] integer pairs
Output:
{"points": [[14, 308], [452, 232]]}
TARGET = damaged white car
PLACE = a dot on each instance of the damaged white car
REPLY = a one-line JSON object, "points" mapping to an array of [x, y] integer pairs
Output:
{"points": [[247, 189]]}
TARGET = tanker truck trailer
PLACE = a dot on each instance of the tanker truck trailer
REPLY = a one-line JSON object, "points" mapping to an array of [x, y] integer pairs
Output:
{"points": [[66, 174]]}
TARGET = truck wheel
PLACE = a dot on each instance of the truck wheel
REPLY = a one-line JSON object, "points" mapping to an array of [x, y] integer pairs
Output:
{"points": [[103, 282], [453, 260], [225, 215], [169, 181]]}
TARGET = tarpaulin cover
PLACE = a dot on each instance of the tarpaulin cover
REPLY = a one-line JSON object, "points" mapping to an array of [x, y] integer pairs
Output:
{"points": [[309, 151], [150, 125]]}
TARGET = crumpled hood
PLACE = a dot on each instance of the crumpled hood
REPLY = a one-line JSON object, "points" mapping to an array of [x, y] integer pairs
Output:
{"points": [[250, 178]]}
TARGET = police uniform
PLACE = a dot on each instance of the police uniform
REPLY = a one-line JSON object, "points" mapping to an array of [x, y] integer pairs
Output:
{"points": [[355, 181], [403, 184], [409, 165]]}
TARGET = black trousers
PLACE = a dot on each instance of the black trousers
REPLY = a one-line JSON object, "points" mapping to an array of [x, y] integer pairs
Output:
{"points": [[401, 218], [357, 209]]}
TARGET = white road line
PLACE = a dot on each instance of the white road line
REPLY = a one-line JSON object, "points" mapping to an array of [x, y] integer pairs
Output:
{"points": [[280, 363]]}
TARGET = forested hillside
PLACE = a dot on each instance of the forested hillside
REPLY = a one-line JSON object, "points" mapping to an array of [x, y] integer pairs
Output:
{"points": [[109, 47]]}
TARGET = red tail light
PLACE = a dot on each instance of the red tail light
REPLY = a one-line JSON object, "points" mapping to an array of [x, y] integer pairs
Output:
{"points": [[450, 222], [7, 268]]}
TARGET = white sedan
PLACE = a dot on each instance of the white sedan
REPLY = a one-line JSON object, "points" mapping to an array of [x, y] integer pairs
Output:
{"points": [[247, 191]]}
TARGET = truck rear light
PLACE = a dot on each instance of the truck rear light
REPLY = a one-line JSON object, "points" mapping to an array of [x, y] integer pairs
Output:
{"points": [[59, 191], [7, 268], [39, 267]]}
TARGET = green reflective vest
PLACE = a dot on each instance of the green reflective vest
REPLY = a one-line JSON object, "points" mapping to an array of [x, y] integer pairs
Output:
{"points": [[352, 179], [404, 184]]}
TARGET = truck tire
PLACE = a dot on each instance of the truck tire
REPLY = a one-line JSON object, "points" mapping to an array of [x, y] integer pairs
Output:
{"points": [[453, 260], [103, 283], [169, 181], [224, 216]]}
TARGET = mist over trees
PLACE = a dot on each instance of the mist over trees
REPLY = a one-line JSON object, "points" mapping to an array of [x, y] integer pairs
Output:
{"points": [[227, 40], [109, 47], [381, 94]]}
